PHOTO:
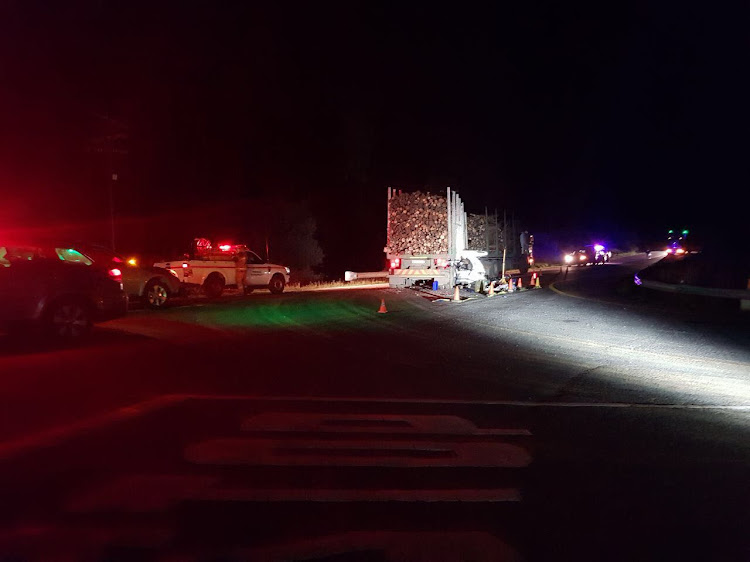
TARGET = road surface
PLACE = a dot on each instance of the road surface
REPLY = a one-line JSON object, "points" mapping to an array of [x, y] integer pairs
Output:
{"points": [[583, 420]]}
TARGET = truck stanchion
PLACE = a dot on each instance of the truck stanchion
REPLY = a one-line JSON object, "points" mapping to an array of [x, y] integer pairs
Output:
{"points": [[456, 293]]}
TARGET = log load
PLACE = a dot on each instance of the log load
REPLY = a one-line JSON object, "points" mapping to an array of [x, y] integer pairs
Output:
{"points": [[418, 223], [476, 228]]}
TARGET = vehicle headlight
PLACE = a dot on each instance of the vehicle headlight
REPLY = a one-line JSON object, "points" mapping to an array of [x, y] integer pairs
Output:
{"points": [[568, 259], [287, 270]]}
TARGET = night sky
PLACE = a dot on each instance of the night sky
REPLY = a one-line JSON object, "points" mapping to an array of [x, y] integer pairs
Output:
{"points": [[614, 119]]}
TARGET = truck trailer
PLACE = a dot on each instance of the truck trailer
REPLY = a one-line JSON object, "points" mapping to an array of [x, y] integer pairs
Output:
{"points": [[426, 241], [432, 241]]}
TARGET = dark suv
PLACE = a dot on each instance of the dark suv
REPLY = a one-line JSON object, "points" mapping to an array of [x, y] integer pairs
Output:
{"points": [[57, 290]]}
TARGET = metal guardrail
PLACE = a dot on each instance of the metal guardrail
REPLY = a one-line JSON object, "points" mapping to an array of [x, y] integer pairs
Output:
{"points": [[352, 275], [743, 295]]}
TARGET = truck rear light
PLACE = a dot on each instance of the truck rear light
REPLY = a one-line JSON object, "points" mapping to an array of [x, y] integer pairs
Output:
{"points": [[441, 262], [395, 263]]}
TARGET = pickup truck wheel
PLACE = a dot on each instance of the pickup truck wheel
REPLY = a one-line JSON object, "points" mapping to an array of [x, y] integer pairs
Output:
{"points": [[214, 285], [277, 284], [156, 294]]}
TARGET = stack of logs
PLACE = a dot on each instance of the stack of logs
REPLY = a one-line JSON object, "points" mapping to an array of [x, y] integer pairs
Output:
{"points": [[419, 223], [476, 226]]}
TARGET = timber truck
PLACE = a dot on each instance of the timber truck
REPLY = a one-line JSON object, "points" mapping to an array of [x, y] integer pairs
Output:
{"points": [[431, 239], [426, 242]]}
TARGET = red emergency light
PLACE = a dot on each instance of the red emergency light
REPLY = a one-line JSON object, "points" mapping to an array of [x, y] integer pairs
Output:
{"points": [[115, 274], [395, 263], [225, 247]]}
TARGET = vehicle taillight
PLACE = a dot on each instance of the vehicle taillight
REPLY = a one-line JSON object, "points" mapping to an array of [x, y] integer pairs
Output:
{"points": [[115, 274], [441, 262], [395, 263]]}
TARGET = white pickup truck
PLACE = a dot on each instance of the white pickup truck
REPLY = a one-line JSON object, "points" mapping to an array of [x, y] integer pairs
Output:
{"points": [[213, 270]]}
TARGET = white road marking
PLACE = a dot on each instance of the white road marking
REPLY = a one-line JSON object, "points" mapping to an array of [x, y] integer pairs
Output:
{"points": [[317, 452], [373, 423]]}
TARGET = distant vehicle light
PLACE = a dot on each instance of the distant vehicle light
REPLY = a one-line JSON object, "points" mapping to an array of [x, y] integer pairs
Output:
{"points": [[669, 250], [225, 247], [531, 261], [598, 247], [679, 251], [568, 259], [133, 261], [582, 257]]}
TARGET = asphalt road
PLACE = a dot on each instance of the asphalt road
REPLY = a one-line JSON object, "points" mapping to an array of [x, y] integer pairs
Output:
{"points": [[583, 420]]}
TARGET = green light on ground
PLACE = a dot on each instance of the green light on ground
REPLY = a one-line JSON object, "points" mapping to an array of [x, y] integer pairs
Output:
{"points": [[291, 315]]}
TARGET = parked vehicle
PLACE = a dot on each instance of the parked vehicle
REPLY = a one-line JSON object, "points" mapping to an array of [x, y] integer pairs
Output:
{"points": [[431, 239], [215, 268], [56, 290], [591, 254], [154, 287]]}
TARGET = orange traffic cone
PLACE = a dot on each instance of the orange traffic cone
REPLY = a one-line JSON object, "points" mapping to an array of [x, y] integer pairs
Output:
{"points": [[382, 309], [511, 285], [520, 285], [491, 290], [537, 285], [456, 293]]}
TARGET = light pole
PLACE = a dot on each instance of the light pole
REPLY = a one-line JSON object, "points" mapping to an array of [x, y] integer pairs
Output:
{"points": [[112, 208]]}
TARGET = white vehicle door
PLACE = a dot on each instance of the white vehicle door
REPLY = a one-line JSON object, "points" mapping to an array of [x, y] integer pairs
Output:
{"points": [[258, 271]]}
